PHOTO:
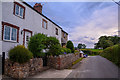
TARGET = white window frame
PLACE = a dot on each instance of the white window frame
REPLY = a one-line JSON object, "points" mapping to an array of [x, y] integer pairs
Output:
{"points": [[10, 34], [19, 11]]}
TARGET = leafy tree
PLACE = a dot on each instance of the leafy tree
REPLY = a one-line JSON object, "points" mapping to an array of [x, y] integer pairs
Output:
{"points": [[81, 46], [52, 44], [107, 41], [70, 46], [36, 44]]}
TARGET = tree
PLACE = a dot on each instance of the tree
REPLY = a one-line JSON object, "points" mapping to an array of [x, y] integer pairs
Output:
{"points": [[107, 41], [81, 46], [53, 45], [36, 44], [70, 46]]}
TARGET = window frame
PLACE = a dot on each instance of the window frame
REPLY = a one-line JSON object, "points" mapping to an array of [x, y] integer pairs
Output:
{"points": [[20, 6], [4, 24], [56, 31], [43, 20]]}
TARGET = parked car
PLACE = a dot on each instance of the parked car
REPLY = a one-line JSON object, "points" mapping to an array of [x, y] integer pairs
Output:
{"points": [[85, 55]]}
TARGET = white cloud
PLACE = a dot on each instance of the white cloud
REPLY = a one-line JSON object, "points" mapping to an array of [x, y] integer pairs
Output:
{"points": [[102, 22]]}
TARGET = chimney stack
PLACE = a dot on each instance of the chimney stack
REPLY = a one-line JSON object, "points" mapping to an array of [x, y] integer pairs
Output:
{"points": [[38, 7]]}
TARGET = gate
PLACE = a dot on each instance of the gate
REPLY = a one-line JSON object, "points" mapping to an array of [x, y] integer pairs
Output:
{"points": [[3, 62], [44, 60], [0, 64]]}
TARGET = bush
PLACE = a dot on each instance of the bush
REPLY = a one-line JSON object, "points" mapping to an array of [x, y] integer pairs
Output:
{"points": [[65, 50], [112, 54], [76, 51], [70, 46], [52, 43], [37, 44], [54, 50], [68, 50], [20, 54], [40, 42]]}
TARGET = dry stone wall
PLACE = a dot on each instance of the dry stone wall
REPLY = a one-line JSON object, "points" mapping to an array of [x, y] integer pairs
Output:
{"points": [[16, 70], [62, 61]]}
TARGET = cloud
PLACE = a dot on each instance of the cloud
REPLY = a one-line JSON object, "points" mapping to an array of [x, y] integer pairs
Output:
{"points": [[85, 22], [102, 22]]}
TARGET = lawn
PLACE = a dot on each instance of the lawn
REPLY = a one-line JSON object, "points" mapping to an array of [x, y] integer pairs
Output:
{"points": [[96, 50], [92, 52]]}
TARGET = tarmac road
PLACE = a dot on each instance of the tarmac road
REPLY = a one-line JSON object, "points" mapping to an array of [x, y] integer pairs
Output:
{"points": [[95, 67]]}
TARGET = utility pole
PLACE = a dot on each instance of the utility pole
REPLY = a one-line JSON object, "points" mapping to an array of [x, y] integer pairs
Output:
{"points": [[118, 3]]}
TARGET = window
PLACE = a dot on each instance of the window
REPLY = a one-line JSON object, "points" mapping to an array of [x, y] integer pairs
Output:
{"points": [[19, 10], [56, 31], [64, 35], [44, 24], [10, 32]]}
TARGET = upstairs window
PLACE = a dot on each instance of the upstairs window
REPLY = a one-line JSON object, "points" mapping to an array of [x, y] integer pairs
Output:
{"points": [[44, 24], [19, 10], [10, 32], [64, 35], [56, 31]]}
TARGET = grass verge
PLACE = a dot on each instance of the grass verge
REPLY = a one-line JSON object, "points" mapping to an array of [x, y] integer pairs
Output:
{"points": [[75, 62]]}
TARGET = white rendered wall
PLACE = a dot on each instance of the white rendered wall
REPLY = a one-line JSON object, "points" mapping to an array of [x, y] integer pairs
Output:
{"points": [[32, 21]]}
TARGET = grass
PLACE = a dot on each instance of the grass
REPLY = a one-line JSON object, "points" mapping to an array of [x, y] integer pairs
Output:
{"points": [[95, 50], [75, 62]]}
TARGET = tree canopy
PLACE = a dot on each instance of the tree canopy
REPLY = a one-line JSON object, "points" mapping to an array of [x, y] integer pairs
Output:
{"points": [[70, 46], [81, 46], [107, 41]]}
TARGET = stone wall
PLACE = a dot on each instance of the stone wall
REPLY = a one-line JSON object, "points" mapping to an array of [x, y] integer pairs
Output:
{"points": [[16, 70], [62, 61]]}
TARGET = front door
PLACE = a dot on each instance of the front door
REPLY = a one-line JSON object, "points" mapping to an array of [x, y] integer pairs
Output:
{"points": [[27, 35]]}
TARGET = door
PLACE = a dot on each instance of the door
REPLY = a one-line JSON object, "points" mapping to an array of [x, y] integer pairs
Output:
{"points": [[27, 35]]}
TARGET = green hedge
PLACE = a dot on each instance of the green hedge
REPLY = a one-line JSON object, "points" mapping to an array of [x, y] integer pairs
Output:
{"points": [[20, 54], [112, 54]]}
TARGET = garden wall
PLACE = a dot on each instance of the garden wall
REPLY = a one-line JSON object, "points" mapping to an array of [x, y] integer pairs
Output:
{"points": [[17, 70], [62, 61]]}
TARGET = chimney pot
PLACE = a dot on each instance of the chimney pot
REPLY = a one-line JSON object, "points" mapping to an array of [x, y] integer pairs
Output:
{"points": [[38, 7]]}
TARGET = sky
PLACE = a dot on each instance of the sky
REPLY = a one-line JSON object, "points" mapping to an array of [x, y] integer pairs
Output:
{"points": [[85, 22]]}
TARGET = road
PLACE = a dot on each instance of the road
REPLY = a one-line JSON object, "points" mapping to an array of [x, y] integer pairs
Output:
{"points": [[95, 67]]}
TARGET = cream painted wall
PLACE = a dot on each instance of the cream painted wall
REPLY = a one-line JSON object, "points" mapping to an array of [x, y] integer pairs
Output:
{"points": [[32, 21], [0, 28]]}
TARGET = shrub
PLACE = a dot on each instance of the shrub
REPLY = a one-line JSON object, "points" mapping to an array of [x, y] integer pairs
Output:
{"points": [[112, 54], [37, 44], [54, 50], [65, 50], [20, 54], [70, 46], [40, 42], [76, 51], [68, 50], [52, 43]]}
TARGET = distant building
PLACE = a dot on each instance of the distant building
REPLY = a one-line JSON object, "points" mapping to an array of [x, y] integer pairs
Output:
{"points": [[20, 21]]}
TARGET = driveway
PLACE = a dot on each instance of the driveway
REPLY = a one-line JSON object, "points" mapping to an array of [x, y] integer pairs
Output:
{"points": [[95, 67]]}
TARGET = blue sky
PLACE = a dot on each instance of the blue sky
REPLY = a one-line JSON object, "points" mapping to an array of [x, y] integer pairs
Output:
{"points": [[85, 22]]}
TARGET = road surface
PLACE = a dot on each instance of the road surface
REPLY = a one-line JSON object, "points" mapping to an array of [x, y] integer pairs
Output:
{"points": [[95, 67]]}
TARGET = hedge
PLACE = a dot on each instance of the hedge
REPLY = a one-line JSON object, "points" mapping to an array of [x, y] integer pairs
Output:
{"points": [[112, 54]]}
